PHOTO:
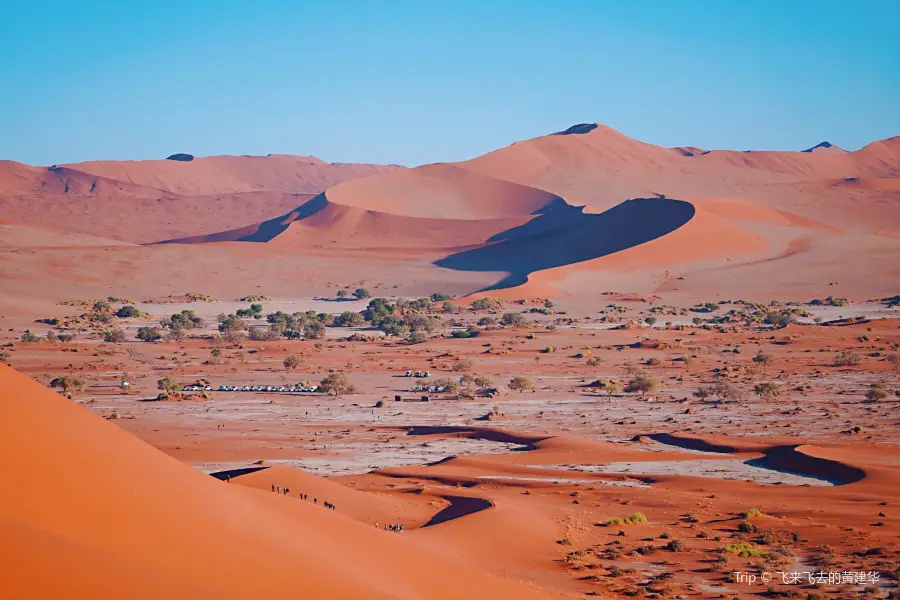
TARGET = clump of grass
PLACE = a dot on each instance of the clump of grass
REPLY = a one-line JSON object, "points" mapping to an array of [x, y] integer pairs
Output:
{"points": [[635, 519], [743, 549], [753, 512]]}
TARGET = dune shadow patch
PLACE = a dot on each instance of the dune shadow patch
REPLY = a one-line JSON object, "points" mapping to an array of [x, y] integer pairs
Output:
{"points": [[259, 232], [579, 129], [460, 506], [224, 475], [789, 459], [561, 234]]}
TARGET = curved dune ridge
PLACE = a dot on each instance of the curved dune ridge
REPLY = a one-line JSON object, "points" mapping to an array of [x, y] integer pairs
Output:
{"points": [[90, 511]]}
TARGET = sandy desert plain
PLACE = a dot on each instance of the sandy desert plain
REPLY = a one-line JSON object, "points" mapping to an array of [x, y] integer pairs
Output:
{"points": [[665, 373]]}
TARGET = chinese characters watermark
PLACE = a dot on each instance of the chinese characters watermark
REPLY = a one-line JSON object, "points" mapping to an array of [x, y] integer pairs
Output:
{"points": [[810, 577]]}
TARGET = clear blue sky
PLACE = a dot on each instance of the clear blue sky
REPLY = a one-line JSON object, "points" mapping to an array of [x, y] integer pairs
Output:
{"points": [[423, 81]]}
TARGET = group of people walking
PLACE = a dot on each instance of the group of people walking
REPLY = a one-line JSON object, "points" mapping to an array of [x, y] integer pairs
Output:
{"points": [[287, 492], [391, 527]]}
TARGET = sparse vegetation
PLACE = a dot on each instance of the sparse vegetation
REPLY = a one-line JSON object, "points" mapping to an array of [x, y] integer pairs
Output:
{"points": [[643, 384], [894, 360], [348, 319], [361, 293], [129, 312], [847, 358], [68, 384], [292, 362], [635, 519], [463, 364], [768, 391], [743, 549], [314, 330], [30, 337], [762, 358], [337, 384], [148, 334], [486, 304], [168, 385], [512, 319], [114, 336], [876, 392], [520, 384]]}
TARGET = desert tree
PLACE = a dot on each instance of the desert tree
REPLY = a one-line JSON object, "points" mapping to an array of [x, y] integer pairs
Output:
{"points": [[520, 383], [292, 362], [513, 319], [361, 293], [114, 336], [611, 388], [643, 384], [314, 330], [482, 381], [762, 358], [148, 334], [168, 385], [128, 312], [704, 393], [336, 384], [68, 384]]}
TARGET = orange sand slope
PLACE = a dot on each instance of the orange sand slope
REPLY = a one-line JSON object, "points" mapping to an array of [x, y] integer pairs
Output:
{"points": [[88, 511]]}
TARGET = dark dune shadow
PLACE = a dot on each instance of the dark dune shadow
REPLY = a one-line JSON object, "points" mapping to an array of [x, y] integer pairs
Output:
{"points": [[477, 433], [460, 506], [561, 234], [690, 443], [787, 459], [223, 475], [579, 129], [260, 232]]}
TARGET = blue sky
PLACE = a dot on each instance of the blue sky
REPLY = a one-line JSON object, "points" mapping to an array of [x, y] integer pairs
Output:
{"points": [[415, 82]]}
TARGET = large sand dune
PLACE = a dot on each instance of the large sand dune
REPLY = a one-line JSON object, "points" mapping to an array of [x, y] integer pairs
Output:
{"points": [[574, 213], [146, 201]]}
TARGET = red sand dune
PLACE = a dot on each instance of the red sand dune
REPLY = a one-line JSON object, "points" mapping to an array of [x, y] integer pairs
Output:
{"points": [[78, 491], [146, 201], [717, 220]]}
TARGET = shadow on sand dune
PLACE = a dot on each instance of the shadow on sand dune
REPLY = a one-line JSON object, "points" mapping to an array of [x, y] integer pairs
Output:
{"points": [[259, 232], [561, 234]]}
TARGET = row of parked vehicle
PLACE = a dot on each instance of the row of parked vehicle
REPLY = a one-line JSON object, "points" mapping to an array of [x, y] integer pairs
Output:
{"points": [[418, 374], [431, 389], [252, 388]]}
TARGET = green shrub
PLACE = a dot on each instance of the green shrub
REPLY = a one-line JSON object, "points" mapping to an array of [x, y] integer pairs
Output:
{"points": [[743, 549], [128, 312]]}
